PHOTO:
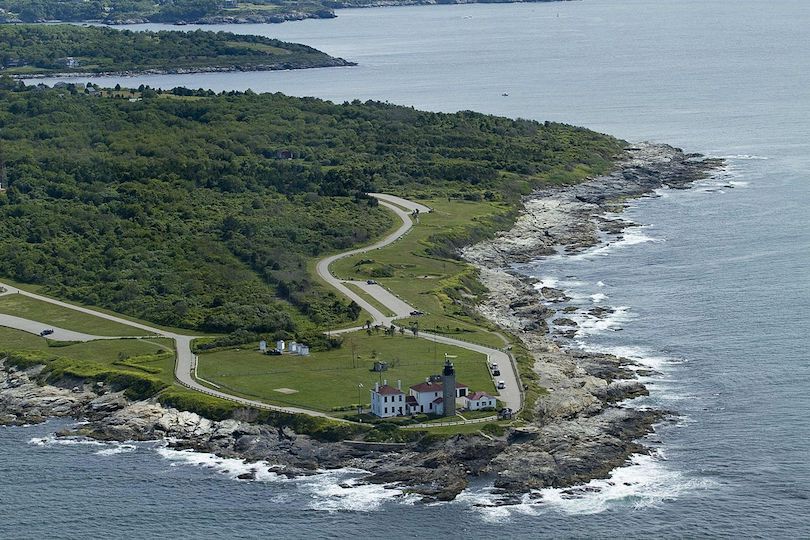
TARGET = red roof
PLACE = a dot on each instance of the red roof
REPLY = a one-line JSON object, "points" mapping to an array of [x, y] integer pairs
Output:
{"points": [[388, 390], [433, 387], [410, 400], [475, 396]]}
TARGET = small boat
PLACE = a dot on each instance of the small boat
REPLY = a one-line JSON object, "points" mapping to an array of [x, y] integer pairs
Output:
{"points": [[505, 94]]}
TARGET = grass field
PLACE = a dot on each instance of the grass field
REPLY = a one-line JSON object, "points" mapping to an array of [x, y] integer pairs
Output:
{"points": [[109, 352], [25, 307], [406, 269], [327, 380]]}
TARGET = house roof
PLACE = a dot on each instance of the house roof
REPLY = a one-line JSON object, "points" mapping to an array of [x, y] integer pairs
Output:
{"points": [[388, 390], [433, 387], [475, 396], [438, 400], [410, 400]]}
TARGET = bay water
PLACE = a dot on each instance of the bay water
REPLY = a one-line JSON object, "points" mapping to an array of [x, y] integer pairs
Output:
{"points": [[711, 290]]}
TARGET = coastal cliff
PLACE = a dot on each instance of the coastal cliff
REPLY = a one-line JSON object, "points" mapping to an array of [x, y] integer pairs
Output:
{"points": [[576, 430]]}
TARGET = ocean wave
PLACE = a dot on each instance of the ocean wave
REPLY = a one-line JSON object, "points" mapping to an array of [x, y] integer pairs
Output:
{"points": [[745, 157], [644, 357], [588, 325], [647, 481], [332, 491], [630, 237], [53, 440], [117, 449]]}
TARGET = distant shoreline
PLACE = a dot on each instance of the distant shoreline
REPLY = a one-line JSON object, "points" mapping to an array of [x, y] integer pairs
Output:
{"points": [[277, 18], [338, 62]]}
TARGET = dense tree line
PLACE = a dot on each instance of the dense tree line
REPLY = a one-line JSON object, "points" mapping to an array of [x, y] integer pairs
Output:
{"points": [[169, 11], [204, 211], [97, 49]]}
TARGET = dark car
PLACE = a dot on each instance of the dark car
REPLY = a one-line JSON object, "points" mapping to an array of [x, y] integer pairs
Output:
{"points": [[273, 352], [416, 313], [371, 282], [496, 372], [46, 332]]}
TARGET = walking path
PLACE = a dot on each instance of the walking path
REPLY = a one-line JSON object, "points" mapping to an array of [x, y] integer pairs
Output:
{"points": [[186, 364]]}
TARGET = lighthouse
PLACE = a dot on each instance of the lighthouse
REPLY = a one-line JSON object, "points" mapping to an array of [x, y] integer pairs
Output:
{"points": [[449, 388]]}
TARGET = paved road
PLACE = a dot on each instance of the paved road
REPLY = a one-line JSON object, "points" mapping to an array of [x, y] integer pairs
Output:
{"points": [[186, 360], [185, 366], [511, 396], [35, 327]]}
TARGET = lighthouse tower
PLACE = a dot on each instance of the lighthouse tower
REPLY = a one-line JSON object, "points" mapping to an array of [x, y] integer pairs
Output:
{"points": [[449, 388]]}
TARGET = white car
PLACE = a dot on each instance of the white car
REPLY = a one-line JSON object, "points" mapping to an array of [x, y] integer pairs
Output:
{"points": [[501, 385]]}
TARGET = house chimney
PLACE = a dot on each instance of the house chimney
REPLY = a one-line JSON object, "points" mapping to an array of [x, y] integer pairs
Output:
{"points": [[399, 384], [385, 382], [376, 387]]}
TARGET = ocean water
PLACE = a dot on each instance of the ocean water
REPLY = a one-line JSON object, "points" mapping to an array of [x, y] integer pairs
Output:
{"points": [[711, 289]]}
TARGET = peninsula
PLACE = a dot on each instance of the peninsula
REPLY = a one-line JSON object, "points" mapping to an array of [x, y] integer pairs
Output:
{"points": [[46, 50], [205, 226]]}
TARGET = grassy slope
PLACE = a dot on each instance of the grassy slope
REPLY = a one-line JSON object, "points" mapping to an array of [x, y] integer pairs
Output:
{"points": [[420, 278], [99, 354], [50, 314], [330, 379]]}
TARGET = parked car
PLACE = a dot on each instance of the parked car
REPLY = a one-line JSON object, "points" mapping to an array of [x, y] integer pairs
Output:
{"points": [[46, 332], [505, 413], [501, 385], [416, 313], [496, 372], [273, 352], [371, 282]]}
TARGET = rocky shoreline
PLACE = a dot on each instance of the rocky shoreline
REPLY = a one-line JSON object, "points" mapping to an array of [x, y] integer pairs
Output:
{"points": [[580, 430]]}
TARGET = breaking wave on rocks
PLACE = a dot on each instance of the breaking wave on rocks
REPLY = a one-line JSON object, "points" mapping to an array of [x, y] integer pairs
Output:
{"points": [[645, 482], [53, 440], [328, 490]]}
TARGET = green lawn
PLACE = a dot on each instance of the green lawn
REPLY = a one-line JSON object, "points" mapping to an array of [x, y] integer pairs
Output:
{"points": [[406, 269], [51, 314], [327, 380], [109, 352]]}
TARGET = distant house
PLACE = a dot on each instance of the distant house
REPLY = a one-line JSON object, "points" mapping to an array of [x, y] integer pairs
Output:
{"points": [[429, 396], [71, 62], [285, 154], [230, 4], [303, 350], [387, 401], [280, 345], [479, 400]]}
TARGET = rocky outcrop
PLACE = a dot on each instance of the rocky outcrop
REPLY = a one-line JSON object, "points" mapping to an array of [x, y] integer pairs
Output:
{"points": [[572, 217]]}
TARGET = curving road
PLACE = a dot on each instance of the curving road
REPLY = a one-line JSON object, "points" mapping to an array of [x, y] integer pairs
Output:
{"points": [[511, 396], [186, 363]]}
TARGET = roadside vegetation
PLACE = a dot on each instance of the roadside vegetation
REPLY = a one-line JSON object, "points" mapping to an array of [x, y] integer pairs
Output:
{"points": [[51, 49]]}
